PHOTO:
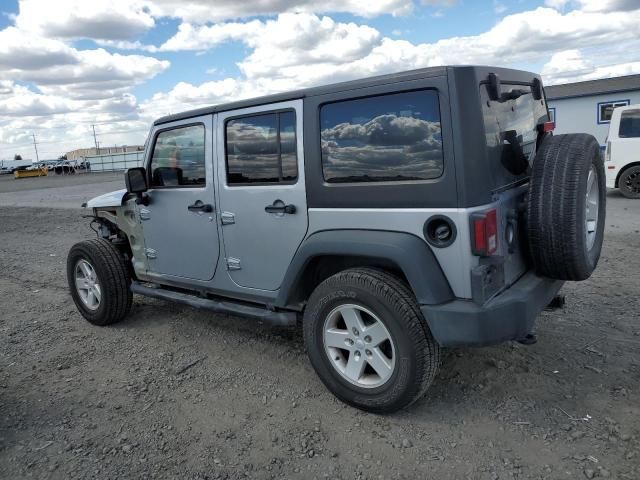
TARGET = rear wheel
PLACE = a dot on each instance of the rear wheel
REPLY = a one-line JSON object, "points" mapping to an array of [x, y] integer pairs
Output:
{"points": [[368, 341], [99, 281], [629, 182]]}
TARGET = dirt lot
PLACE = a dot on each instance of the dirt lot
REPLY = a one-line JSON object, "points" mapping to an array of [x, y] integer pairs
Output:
{"points": [[78, 401], [64, 191]]}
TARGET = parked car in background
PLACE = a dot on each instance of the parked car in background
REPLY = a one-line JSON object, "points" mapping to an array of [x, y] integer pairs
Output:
{"points": [[622, 156], [84, 165], [48, 164], [64, 167], [5, 171], [19, 167]]}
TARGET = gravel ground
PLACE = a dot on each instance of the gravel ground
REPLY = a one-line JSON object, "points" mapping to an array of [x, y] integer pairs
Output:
{"points": [[61, 191], [177, 393]]}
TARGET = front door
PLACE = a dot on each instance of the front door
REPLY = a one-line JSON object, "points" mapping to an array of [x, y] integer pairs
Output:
{"points": [[179, 224], [263, 205]]}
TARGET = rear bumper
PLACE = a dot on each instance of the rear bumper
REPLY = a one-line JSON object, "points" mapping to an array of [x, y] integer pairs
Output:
{"points": [[509, 316]]}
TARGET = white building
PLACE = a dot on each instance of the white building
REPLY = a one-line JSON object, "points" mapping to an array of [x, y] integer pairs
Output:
{"points": [[586, 107]]}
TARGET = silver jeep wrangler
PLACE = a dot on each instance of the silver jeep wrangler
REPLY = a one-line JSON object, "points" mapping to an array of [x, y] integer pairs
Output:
{"points": [[392, 216]]}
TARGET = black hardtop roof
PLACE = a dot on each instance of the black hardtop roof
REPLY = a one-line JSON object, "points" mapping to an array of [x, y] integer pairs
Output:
{"points": [[331, 88]]}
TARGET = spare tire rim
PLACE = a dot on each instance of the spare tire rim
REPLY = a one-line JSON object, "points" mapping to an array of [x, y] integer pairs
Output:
{"points": [[87, 285], [592, 207], [359, 346]]}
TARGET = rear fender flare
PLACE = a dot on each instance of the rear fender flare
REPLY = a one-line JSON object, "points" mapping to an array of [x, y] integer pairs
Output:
{"points": [[409, 253]]}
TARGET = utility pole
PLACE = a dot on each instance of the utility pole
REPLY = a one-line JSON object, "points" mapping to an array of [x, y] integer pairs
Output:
{"points": [[95, 139], [35, 145]]}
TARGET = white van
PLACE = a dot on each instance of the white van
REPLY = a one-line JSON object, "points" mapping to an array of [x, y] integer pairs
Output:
{"points": [[622, 158]]}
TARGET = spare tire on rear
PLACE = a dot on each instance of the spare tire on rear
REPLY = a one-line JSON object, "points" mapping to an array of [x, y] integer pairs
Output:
{"points": [[566, 208]]}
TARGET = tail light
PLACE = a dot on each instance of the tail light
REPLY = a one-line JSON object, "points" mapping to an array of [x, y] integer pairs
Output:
{"points": [[607, 156], [484, 233], [546, 127]]}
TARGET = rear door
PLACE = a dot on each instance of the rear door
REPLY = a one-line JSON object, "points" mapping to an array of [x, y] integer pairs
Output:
{"points": [[511, 128], [179, 224], [263, 205]]}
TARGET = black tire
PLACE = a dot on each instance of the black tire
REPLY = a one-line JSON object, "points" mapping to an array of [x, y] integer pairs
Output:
{"points": [[629, 182], [112, 275], [417, 355], [556, 213]]}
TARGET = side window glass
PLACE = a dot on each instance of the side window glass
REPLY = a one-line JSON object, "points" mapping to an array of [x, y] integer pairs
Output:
{"points": [[288, 146], [261, 149], [178, 158], [394, 137], [630, 124]]}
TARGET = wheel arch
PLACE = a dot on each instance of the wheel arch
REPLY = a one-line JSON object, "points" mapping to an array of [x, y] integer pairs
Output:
{"points": [[327, 252], [125, 231], [625, 168]]}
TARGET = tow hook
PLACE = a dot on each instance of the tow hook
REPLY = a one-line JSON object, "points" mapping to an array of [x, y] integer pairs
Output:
{"points": [[556, 303]]}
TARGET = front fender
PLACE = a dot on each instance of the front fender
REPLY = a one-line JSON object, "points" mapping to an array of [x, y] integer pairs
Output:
{"points": [[410, 254], [111, 199]]}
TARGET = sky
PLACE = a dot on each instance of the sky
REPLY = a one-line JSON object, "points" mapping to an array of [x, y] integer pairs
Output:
{"points": [[69, 66]]}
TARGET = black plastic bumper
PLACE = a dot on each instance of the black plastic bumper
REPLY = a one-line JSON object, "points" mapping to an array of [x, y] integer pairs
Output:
{"points": [[509, 316]]}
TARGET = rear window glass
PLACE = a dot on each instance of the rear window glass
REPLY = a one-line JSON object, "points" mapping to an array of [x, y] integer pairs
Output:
{"points": [[630, 124], [395, 137], [511, 132]]}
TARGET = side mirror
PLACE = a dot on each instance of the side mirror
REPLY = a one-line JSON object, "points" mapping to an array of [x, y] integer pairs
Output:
{"points": [[136, 180]]}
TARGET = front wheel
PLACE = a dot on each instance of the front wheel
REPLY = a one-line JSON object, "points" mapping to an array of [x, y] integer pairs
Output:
{"points": [[99, 281], [368, 341]]}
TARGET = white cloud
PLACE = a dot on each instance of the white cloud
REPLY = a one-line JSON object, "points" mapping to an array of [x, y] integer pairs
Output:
{"points": [[61, 123], [103, 19], [609, 5], [572, 66], [20, 52], [51, 84], [60, 69], [18, 101], [201, 11], [47, 85], [308, 49], [123, 20], [439, 3], [185, 96], [303, 50], [101, 68], [557, 4], [195, 37]]}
